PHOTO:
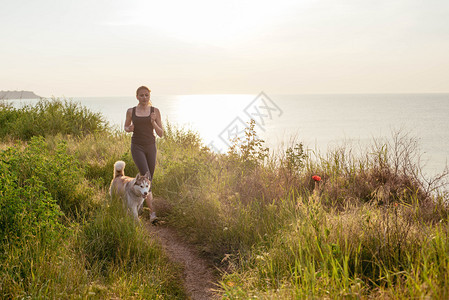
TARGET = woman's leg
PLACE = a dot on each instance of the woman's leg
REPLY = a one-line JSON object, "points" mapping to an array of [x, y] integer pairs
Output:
{"points": [[151, 160], [140, 158]]}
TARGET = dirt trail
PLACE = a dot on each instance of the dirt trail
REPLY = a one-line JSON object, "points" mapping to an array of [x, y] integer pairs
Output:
{"points": [[198, 274]]}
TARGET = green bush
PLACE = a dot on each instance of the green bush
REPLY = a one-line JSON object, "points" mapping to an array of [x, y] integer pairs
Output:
{"points": [[249, 151], [27, 209], [8, 116], [49, 117], [58, 172]]}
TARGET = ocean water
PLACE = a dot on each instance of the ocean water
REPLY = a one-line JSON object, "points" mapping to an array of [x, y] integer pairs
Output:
{"points": [[320, 121]]}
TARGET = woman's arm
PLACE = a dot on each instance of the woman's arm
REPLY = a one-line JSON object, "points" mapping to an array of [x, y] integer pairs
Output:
{"points": [[129, 126], [156, 121]]}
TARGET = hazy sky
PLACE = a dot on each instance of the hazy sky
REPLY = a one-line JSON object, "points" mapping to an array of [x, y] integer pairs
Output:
{"points": [[109, 48]]}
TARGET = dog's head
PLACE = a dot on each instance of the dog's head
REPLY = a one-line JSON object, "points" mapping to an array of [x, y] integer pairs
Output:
{"points": [[142, 184]]}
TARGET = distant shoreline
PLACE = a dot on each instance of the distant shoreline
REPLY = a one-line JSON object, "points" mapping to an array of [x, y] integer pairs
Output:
{"points": [[7, 95]]}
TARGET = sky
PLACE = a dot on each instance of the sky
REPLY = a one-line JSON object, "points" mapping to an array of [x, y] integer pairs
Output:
{"points": [[77, 48]]}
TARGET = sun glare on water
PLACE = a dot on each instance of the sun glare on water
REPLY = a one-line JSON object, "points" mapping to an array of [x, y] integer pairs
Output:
{"points": [[209, 115]]}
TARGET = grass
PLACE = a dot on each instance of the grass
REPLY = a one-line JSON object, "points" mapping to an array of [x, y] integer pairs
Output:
{"points": [[368, 231], [61, 237], [106, 258], [376, 226]]}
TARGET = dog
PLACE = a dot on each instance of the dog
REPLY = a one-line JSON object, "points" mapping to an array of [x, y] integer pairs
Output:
{"points": [[132, 190]]}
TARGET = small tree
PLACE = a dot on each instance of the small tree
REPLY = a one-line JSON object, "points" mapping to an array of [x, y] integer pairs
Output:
{"points": [[251, 149]]}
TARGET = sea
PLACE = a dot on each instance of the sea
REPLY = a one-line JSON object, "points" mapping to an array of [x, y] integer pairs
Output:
{"points": [[321, 122]]}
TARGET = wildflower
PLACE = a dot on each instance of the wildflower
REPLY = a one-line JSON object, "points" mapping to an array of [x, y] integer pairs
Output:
{"points": [[316, 178], [316, 191]]}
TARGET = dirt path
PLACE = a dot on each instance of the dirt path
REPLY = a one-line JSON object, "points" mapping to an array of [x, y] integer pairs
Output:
{"points": [[198, 274]]}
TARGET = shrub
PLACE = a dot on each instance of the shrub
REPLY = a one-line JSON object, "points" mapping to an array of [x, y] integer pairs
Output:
{"points": [[58, 172], [250, 150], [27, 209], [49, 117]]}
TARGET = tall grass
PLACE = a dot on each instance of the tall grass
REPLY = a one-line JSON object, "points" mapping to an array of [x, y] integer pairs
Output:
{"points": [[125, 254], [39, 270], [375, 226], [97, 153], [363, 253], [369, 230], [60, 236], [106, 258]]}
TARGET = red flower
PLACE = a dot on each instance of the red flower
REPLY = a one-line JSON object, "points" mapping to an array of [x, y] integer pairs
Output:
{"points": [[316, 178]]}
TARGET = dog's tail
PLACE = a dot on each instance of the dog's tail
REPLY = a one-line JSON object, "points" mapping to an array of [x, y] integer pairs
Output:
{"points": [[119, 168]]}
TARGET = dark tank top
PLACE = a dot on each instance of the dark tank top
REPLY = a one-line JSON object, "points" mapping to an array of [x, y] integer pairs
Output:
{"points": [[143, 129]]}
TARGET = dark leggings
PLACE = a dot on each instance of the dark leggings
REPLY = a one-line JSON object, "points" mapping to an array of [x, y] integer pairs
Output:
{"points": [[145, 158]]}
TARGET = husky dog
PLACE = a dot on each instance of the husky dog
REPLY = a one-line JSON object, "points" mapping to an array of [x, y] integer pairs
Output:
{"points": [[132, 190]]}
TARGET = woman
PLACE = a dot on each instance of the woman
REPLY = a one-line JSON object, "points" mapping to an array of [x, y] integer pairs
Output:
{"points": [[142, 120]]}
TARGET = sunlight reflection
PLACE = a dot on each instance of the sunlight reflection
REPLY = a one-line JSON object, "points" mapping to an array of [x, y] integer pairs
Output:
{"points": [[206, 113]]}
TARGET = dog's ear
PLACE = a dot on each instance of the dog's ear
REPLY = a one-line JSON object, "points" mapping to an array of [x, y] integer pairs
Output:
{"points": [[147, 174]]}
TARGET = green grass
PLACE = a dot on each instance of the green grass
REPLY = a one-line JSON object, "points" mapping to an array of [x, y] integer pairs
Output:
{"points": [[375, 227], [127, 257], [369, 231], [61, 237], [108, 257]]}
